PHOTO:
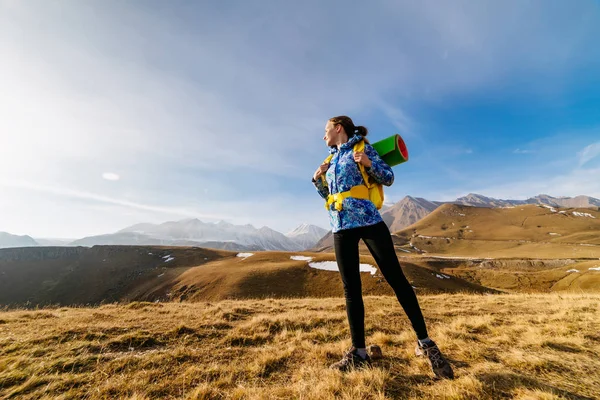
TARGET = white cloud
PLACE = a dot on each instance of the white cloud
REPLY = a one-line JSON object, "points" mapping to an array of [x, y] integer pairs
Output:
{"points": [[109, 176], [588, 153], [77, 194], [398, 118], [521, 151]]}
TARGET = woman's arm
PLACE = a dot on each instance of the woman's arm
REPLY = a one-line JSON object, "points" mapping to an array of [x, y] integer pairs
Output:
{"points": [[321, 186]]}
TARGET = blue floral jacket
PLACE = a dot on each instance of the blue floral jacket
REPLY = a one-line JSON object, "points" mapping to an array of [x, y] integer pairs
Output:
{"points": [[343, 173]]}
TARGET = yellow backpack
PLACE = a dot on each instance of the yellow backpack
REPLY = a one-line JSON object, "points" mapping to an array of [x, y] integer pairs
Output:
{"points": [[370, 190]]}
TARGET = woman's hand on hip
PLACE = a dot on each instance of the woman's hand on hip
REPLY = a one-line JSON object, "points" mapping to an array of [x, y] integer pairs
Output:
{"points": [[362, 158], [320, 171]]}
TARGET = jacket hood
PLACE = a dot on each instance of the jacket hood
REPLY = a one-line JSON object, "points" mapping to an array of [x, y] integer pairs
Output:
{"points": [[349, 144]]}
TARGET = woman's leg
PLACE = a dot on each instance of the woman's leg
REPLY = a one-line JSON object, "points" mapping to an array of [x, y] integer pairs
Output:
{"points": [[379, 242], [346, 253]]}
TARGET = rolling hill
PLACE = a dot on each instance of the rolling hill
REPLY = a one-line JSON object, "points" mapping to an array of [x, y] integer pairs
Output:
{"points": [[79, 275], [455, 248], [526, 231]]}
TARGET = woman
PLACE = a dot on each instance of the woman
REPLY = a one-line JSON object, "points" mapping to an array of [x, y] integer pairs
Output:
{"points": [[360, 219]]}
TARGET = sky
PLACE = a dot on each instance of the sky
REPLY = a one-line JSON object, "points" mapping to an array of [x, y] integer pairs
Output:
{"points": [[119, 112]]}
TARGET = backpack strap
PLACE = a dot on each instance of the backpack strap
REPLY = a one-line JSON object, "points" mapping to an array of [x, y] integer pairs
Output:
{"points": [[360, 147], [326, 161]]}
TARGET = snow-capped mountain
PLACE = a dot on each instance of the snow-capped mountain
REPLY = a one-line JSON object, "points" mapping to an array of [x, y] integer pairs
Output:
{"points": [[478, 200], [307, 235], [574, 202], [195, 232]]}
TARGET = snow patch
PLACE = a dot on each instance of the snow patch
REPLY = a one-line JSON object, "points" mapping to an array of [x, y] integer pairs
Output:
{"points": [[244, 255], [417, 249], [580, 214], [594, 269], [404, 250], [442, 276], [301, 258], [161, 275], [552, 209], [168, 258], [554, 234], [572, 270], [462, 215], [332, 266]]}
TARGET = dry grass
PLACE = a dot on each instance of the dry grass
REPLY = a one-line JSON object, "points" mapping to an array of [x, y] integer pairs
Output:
{"points": [[508, 275], [527, 231], [543, 346]]}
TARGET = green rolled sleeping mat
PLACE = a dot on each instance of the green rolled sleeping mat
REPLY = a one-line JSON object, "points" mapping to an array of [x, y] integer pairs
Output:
{"points": [[392, 150]]}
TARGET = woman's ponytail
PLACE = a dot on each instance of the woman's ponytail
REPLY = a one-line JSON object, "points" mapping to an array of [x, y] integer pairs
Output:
{"points": [[361, 130]]}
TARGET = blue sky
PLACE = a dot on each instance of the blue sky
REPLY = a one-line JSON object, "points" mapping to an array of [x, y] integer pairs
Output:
{"points": [[114, 113]]}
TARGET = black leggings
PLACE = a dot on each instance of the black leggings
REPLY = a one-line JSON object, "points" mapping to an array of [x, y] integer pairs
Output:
{"points": [[379, 242]]}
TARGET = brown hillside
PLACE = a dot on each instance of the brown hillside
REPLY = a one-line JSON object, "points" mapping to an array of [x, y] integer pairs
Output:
{"points": [[274, 274], [104, 274], [79, 275], [512, 275], [326, 244], [527, 231]]}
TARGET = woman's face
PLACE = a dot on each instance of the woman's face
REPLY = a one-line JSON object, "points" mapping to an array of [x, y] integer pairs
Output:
{"points": [[332, 133]]}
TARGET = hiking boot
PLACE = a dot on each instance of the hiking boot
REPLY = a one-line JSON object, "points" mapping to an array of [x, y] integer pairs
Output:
{"points": [[351, 360], [440, 366], [375, 352]]}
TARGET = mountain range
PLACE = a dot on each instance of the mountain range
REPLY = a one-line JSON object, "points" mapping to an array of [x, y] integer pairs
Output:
{"points": [[8, 240], [410, 209], [221, 235], [226, 236], [478, 200], [455, 248]]}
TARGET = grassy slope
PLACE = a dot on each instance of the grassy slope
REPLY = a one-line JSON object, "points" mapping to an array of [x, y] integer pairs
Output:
{"points": [[537, 279], [542, 346], [527, 232], [274, 274], [128, 273], [66, 275]]}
